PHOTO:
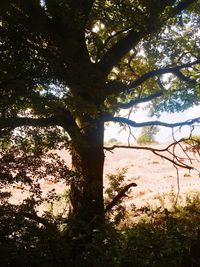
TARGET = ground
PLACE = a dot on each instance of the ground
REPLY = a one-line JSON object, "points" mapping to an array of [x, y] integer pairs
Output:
{"points": [[155, 177]]}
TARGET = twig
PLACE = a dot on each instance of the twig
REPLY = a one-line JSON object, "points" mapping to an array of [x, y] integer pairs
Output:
{"points": [[157, 152], [178, 184]]}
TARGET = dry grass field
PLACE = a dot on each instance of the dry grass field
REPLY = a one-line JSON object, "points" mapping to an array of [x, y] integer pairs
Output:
{"points": [[156, 178]]}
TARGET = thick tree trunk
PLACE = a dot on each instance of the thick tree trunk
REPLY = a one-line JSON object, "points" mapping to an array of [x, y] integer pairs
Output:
{"points": [[86, 193]]}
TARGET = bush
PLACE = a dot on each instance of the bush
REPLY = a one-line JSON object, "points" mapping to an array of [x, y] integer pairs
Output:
{"points": [[193, 143], [147, 135], [162, 238], [112, 141], [165, 237]]}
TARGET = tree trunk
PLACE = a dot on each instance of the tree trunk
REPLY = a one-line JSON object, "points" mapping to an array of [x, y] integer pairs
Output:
{"points": [[86, 194]]}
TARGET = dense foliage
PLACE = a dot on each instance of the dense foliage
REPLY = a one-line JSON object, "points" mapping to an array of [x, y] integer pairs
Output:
{"points": [[161, 237]]}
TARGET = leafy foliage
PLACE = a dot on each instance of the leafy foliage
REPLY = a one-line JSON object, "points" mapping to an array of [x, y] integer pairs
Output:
{"points": [[147, 135], [113, 141], [161, 237], [115, 185], [194, 144]]}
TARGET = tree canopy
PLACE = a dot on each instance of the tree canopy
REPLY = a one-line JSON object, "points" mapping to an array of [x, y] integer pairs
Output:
{"points": [[57, 56]]}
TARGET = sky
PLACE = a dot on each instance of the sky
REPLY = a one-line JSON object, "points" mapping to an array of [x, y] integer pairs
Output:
{"points": [[164, 135]]}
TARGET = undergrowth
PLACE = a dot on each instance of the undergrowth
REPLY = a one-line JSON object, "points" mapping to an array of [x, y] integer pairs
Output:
{"points": [[160, 238]]}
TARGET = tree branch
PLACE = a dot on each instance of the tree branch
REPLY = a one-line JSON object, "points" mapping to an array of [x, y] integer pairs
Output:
{"points": [[184, 78], [120, 195], [125, 44], [118, 50], [87, 5], [82, 7], [15, 122], [139, 100], [43, 221], [152, 123], [182, 6], [176, 161], [64, 120], [151, 74]]}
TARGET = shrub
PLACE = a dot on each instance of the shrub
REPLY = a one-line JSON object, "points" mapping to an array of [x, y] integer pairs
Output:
{"points": [[161, 238], [147, 135]]}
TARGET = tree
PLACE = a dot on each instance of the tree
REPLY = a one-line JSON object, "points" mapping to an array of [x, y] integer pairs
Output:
{"points": [[147, 135], [68, 67]]}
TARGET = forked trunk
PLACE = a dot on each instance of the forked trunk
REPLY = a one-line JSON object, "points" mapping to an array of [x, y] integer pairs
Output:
{"points": [[86, 194]]}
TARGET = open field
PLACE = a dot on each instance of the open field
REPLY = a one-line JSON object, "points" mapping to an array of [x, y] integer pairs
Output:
{"points": [[154, 176]]}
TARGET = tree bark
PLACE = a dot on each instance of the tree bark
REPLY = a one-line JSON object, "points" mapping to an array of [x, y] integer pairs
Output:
{"points": [[86, 193]]}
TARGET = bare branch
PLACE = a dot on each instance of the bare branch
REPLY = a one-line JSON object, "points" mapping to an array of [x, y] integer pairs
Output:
{"points": [[119, 196], [171, 157], [178, 184], [152, 123]]}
